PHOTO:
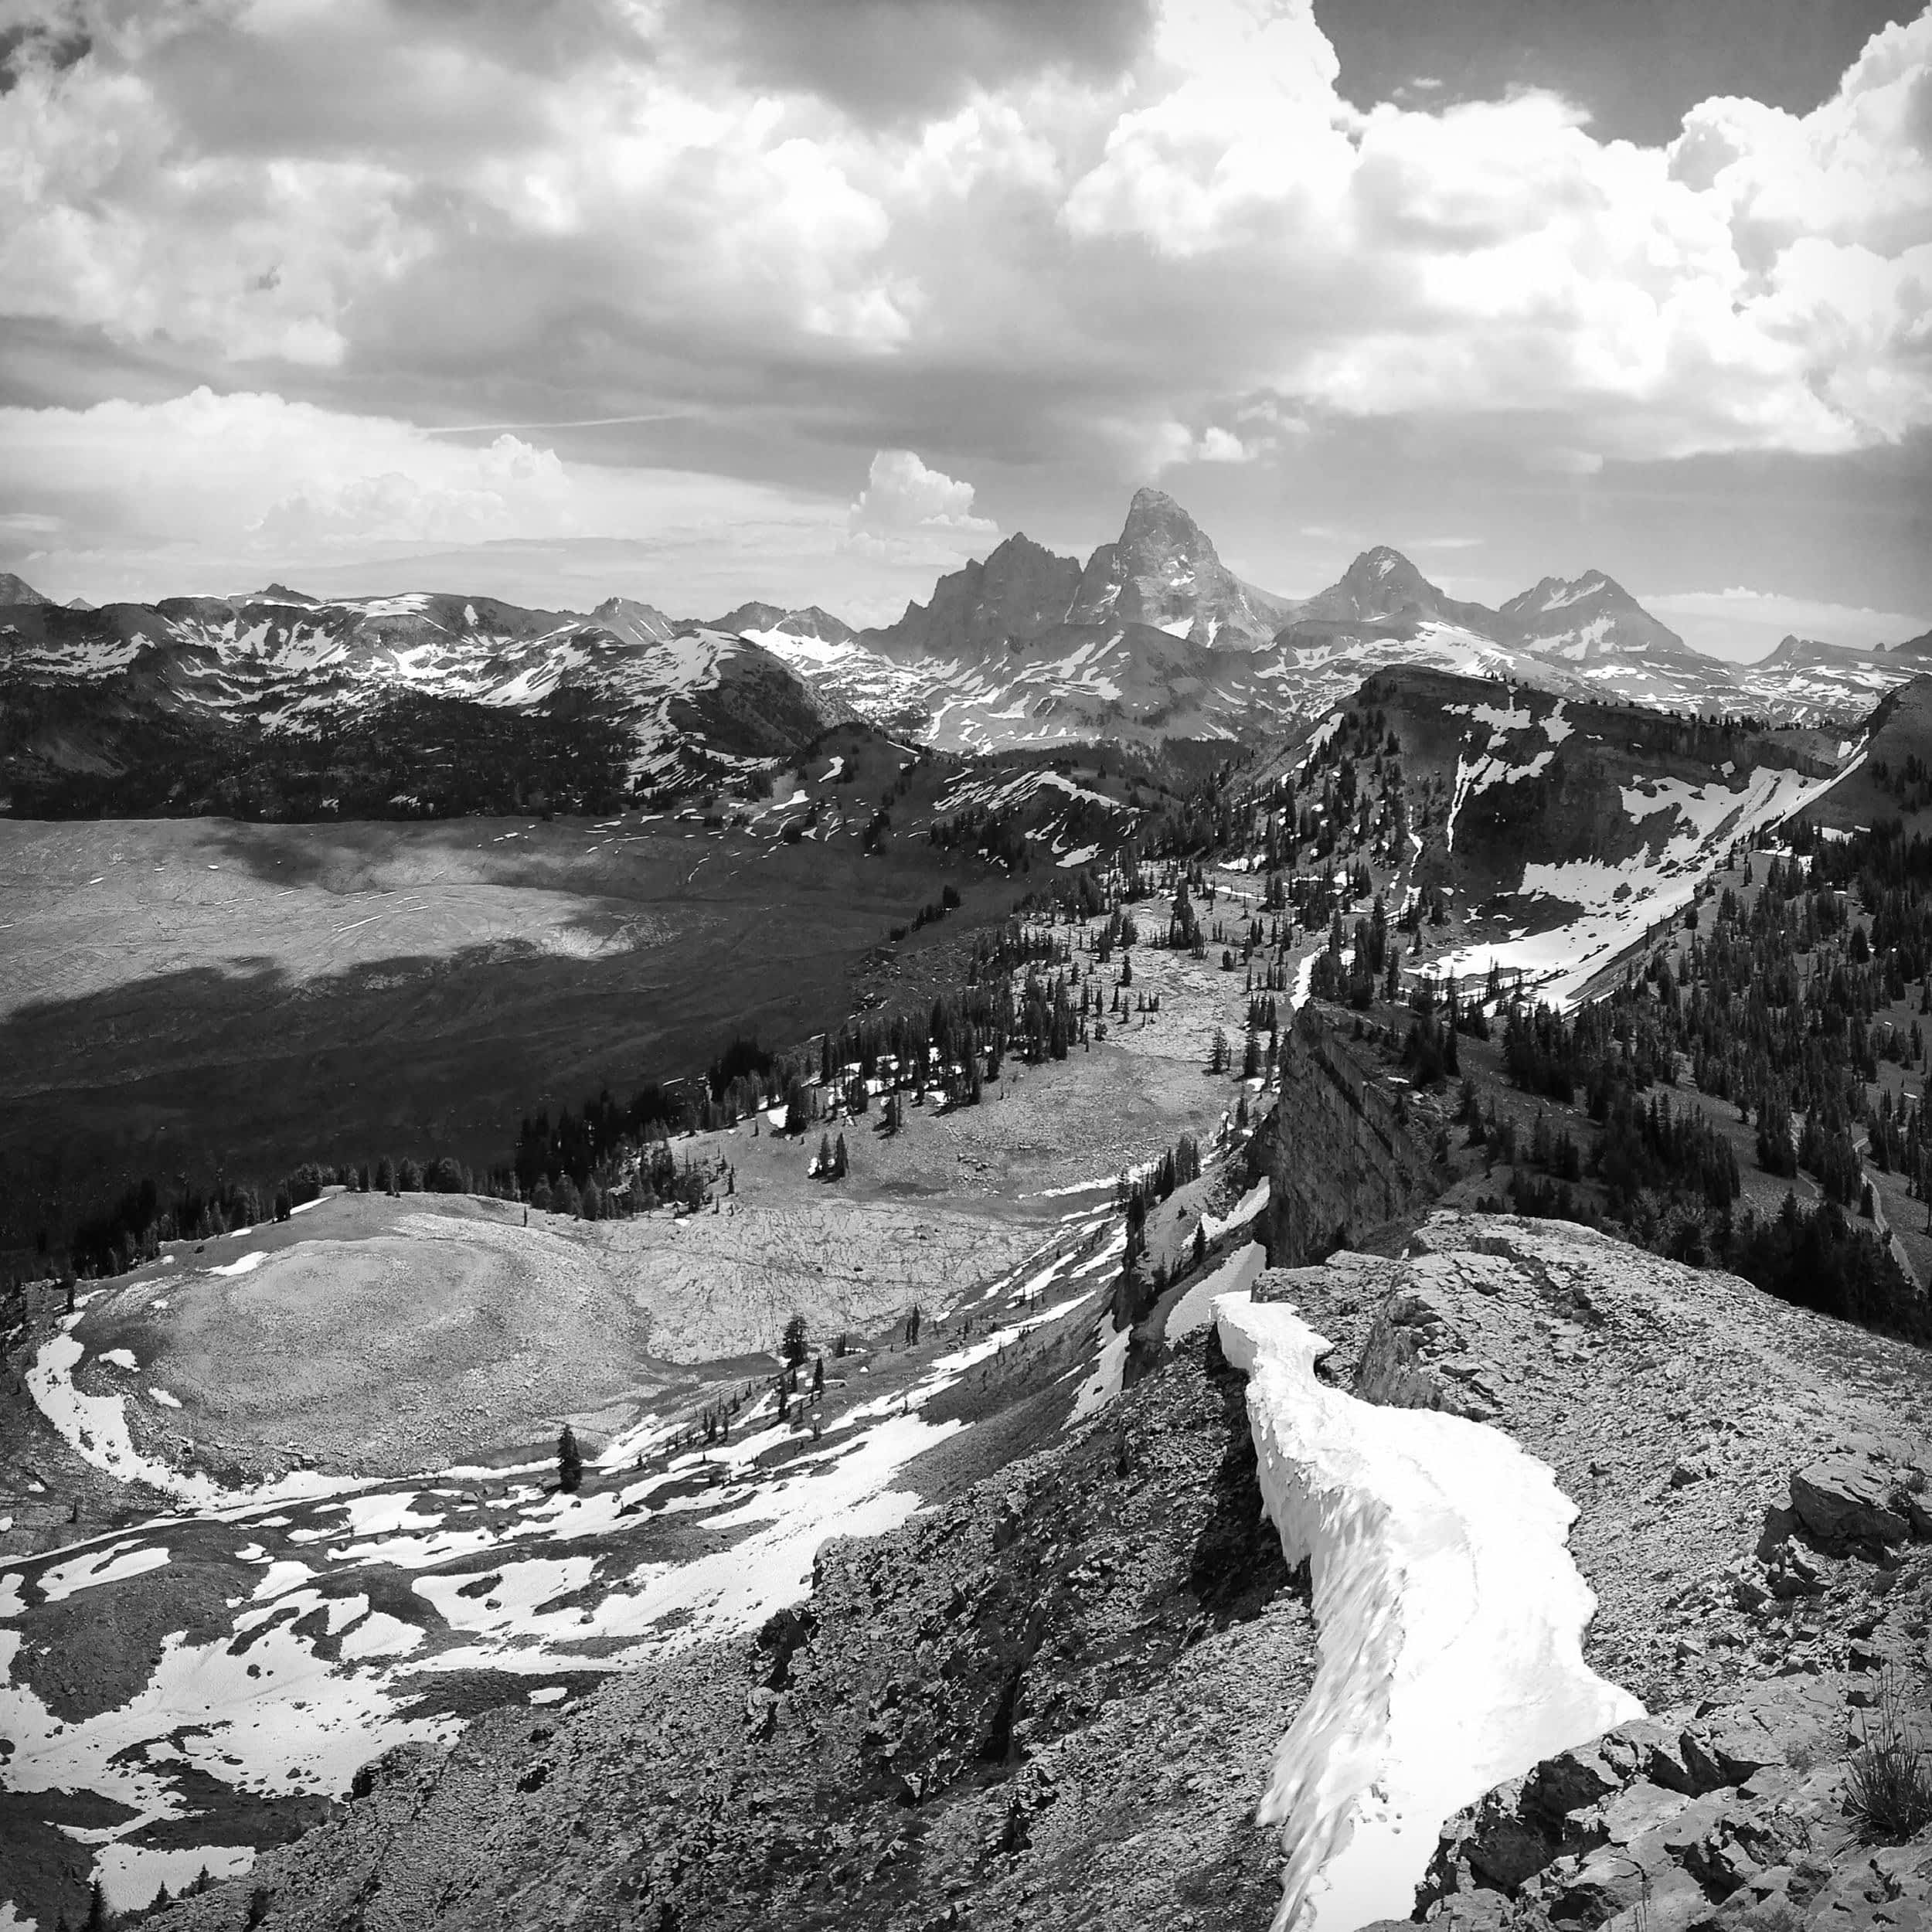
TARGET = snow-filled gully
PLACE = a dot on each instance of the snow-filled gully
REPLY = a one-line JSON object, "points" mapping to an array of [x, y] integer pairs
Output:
{"points": [[1450, 1617]]}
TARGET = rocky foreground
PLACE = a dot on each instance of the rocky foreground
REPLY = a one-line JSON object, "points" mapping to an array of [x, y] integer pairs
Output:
{"points": [[1052, 1699]]}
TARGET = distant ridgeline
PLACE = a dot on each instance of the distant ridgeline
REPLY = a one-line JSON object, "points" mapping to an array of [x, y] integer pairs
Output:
{"points": [[404, 755]]}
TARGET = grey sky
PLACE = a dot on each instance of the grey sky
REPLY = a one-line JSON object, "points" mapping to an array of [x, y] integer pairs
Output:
{"points": [[1523, 287]]}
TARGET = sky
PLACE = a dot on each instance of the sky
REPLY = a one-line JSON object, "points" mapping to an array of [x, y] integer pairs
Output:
{"points": [[808, 300]]}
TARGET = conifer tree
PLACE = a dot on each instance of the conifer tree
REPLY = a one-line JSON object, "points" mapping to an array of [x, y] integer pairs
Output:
{"points": [[570, 1461], [96, 1909], [793, 1346]]}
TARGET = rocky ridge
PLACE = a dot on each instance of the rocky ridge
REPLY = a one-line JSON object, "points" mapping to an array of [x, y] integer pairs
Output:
{"points": [[1733, 1807], [1051, 1699]]}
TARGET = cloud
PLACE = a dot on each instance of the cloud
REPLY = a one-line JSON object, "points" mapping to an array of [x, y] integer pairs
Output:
{"points": [[909, 515], [204, 492], [1153, 448], [1088, 239], [889, 61], [902, 493]]}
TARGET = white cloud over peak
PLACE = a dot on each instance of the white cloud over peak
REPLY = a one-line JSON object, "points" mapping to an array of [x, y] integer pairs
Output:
{"points": [[908, 514], [902, 493]]}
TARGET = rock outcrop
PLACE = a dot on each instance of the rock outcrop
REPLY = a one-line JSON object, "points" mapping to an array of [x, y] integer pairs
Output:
{"points": [[1053, 1699], [1340, 1159], [1745, 1815]]}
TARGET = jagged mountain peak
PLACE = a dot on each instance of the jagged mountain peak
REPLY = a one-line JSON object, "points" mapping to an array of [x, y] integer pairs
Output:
{"points": [[281, 593], [1153, 515], [1163, 571], [1585, 620], [762, 621], [1795, 653], [1595, 587]]}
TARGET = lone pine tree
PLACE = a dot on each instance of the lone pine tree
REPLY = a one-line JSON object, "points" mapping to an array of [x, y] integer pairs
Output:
{"points": [[570, 1461], [793, 1347]]}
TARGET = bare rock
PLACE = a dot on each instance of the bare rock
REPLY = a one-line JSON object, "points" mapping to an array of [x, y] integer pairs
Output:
{"points": [[1417, 1357], [1846, 1500]]}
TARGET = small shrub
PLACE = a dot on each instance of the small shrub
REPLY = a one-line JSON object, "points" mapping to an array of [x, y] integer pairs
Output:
{"points": [[1888, 1790]]}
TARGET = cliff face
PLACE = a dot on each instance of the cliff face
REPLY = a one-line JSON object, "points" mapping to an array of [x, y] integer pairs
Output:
{"points": [[1339, 1160]]}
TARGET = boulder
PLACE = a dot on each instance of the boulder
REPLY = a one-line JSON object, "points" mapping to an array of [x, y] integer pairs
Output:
{"points": [[1846, 1500]]}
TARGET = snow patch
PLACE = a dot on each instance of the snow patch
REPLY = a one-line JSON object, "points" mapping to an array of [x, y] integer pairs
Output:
{"points": [[111, 1566], [1195, 1309], [1451, 1620], [1104, 1384]]}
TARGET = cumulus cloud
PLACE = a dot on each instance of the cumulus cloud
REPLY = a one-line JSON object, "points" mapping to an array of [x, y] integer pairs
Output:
{"points": [[1154, 448], [1097, 249], [902, 493], [908, 514], [212, 493], [220, 486]]}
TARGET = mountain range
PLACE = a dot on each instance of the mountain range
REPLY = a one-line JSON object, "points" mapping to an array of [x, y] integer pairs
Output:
{"points": [[1155, 636], [1152, 637]]}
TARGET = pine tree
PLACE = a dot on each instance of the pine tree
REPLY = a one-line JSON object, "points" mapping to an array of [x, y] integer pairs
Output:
{"points": [[794, 1348], [838, 1161], [818, 1376], [570, 1461], [825, 1157], [96, 1909]]}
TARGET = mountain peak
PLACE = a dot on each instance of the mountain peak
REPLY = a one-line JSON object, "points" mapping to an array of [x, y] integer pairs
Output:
{"points": [[1384, 564], [634, 622], [15, 590], [1585, 619], [1164, 571], [1158, 526]]}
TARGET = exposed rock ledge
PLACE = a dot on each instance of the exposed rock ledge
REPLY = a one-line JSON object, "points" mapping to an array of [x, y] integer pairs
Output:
{"points": [[1758, 1474]]}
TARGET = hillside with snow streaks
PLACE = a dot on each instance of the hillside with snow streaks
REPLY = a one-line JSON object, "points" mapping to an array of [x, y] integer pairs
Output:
{"points": [[1600, 908], [355, 1610], [79, 681]]}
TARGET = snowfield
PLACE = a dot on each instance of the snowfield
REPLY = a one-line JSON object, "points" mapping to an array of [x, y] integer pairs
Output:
{"points": [[1688, 827], [1451, 1619]]}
